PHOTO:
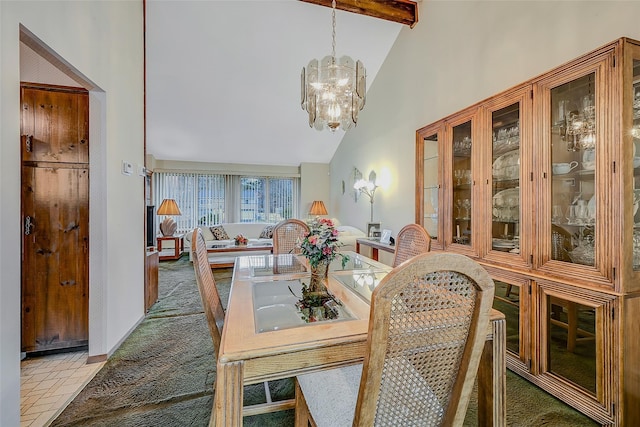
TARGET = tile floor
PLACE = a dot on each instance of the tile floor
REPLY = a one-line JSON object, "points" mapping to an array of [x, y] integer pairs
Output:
{"points": [[49, 383]]}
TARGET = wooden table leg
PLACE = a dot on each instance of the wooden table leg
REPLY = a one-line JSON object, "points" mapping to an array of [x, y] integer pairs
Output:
{"points": [[374, 254], [492, 378], [227, 406]]}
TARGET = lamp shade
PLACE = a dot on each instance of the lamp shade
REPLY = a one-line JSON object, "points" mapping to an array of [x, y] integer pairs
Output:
{"points": [[317, 208], [169, 207]]}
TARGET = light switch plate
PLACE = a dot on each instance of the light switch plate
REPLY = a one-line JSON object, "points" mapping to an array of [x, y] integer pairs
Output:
{"points": [[127, 168]]}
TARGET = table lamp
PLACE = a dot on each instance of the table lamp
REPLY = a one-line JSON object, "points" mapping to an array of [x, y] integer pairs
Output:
{"points": [[168, 207], [318, 208]]}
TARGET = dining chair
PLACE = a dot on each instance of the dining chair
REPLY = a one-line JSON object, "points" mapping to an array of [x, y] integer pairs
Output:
{"points": [[412, 240], [214, 312], [286, 234], [427, 328]]}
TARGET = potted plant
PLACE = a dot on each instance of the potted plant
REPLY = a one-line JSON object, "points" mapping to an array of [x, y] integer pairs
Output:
{"points": [[320, 246]]}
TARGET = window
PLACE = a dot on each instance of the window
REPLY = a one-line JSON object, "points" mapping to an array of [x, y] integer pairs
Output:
{"points": [[266, 199], [209, 199]]}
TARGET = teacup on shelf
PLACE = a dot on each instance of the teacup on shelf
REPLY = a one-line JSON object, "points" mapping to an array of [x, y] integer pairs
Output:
{"points": [[562, 168]]}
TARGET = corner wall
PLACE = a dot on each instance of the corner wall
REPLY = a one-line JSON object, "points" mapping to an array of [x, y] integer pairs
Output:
{"points": [[109, 53]]}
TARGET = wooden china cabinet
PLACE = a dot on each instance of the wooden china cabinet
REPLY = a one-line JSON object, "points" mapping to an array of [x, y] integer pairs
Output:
{"points": [[541, 185]]}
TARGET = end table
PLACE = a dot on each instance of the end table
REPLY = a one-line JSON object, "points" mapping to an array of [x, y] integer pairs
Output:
{"points": [[177, 244]]}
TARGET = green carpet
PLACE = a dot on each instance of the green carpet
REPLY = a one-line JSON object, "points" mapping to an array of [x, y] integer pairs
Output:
{"points": [[163, 373]]}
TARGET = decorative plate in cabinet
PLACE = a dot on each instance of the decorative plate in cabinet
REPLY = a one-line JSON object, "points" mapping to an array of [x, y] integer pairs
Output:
{"points": [[506, 205], [507, 166]]}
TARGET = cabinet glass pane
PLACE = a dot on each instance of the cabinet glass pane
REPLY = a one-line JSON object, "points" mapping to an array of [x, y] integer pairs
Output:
{"points": [[571, 341], [507, 301], [505, 229], [573, 167], [462, 183], [430, 185], [635, 132]]}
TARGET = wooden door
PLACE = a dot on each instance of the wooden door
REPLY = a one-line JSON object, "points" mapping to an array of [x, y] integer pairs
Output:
{"points": [[55, 212]]}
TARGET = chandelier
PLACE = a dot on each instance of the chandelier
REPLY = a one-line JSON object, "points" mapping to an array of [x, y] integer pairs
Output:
{"points": [[333, 89]]}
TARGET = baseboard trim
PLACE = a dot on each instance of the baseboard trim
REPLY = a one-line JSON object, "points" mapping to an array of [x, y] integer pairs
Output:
{"points": [[96, 359]]}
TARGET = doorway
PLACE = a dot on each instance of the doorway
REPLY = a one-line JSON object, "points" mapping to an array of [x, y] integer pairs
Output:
{"points": [[55, 217]]}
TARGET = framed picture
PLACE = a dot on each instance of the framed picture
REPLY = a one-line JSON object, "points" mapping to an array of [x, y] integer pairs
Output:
{"points": [[385, 237], [373, 230]]}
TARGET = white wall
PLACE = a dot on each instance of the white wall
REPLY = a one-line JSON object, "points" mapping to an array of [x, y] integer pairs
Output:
{"points": [[103, 41], [314, 185], [458, 54]]}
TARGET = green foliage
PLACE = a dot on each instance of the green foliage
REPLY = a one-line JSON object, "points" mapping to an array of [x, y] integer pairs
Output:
{"points": [[321, 244]]}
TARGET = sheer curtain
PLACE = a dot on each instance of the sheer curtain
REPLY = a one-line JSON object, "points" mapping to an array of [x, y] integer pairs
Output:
{"points": [[209, 199]]}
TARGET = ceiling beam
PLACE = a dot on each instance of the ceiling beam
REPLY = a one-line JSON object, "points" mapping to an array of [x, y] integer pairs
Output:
{"points": [[402, 11]]}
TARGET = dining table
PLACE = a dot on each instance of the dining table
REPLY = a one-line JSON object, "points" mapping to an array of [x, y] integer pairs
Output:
{"points": [[266, 337]]}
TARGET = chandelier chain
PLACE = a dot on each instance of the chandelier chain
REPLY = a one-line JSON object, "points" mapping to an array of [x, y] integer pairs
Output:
{"points": [[333, 34]]}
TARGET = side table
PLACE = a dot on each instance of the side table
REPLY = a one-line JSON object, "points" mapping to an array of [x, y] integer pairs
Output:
{"points": [[375, 246], [177, 244]]}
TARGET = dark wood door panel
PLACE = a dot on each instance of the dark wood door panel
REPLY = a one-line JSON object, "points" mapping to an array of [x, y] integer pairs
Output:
{"points": [[55, 126], [55, 264]]}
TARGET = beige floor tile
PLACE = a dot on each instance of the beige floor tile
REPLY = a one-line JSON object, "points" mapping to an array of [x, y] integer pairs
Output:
{"points": [[38, 377], [65, 373], [44, 419], [49, 383], [38, 408], [65, 389]]}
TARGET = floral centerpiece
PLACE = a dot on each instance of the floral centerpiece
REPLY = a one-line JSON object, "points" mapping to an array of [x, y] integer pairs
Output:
{"points": [[320, 246], [240, 240]]}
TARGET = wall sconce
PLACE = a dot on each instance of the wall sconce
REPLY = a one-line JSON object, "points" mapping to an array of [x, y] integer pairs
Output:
{"points": [[367, 187]]}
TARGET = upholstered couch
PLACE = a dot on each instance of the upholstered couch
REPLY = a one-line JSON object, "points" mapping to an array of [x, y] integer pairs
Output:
{"points": [[251, 231], [347, 236]]}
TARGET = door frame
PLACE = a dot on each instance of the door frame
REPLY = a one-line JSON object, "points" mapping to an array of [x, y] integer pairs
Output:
{"points": [[98, 272]]}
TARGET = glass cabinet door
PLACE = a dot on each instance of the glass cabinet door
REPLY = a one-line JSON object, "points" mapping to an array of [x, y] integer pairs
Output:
{"points": [[431, 186], [462, 184], [428, 181], [573, 342], [573, 169], [635, 187], [508, 196], [576, 164], [505, 179], [512, 299]]}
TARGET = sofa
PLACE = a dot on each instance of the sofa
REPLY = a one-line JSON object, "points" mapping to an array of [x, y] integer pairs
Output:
{"points": [[347, 236], [252, 231]]}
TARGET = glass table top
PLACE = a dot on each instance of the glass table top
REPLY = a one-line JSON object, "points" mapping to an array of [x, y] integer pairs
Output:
{"points": [[276, 306], [355, 262], [269, 265], [362, 282]]}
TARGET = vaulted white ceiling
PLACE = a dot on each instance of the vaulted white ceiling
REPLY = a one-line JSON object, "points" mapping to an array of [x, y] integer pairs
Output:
{"points": [[223, 77]]}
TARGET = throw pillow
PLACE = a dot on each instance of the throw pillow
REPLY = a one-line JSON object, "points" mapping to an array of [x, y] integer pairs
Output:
{"points": [[219, 233], [267, 232]]}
